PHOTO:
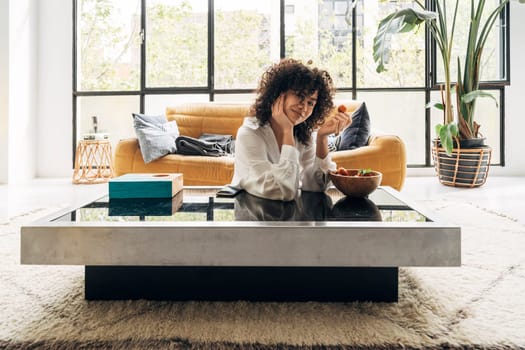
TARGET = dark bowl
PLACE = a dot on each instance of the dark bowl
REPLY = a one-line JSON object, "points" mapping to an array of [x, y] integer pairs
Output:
{"points": [[356, 186]]}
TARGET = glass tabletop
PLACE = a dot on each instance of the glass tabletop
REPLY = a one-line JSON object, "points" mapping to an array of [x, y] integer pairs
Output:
{"points": [[199, 205]]}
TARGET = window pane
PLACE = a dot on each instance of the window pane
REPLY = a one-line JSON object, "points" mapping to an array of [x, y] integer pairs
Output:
{"points": [[342, 96], [320, 31], [487, 114], [246, 41], [400, 113], [157, 104], [235, 98], [113, 114], [492, 65], [108, 46], [406, 64], [176, 43]]}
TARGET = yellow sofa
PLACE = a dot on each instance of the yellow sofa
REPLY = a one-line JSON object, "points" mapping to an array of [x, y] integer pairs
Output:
{"points": [[385, 153]]}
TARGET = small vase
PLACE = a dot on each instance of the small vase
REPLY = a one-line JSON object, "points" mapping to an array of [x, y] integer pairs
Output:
{"points": [[471, 143]]}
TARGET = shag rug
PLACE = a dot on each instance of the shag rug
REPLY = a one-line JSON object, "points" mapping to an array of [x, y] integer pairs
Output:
{"points": [[478, 305]]}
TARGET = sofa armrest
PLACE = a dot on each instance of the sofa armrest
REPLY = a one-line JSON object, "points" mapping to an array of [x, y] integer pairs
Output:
{"points": [[384, 153], [197, 170], [127, 152]]}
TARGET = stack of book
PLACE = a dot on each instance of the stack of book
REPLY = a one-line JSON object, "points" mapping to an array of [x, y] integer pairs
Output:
{"points": [[96, 136]]}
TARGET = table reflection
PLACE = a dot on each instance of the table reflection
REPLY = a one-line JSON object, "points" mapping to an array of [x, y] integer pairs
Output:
{"points": [[144, 206], [309, 206], [355, 209], [252, 208]]}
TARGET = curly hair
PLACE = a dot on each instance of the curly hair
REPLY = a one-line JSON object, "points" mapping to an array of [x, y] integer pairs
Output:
{"points": [[291, 74]]}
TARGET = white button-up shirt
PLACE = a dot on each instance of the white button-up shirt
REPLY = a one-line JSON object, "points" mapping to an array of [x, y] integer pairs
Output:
{"points": [[264, 171]]}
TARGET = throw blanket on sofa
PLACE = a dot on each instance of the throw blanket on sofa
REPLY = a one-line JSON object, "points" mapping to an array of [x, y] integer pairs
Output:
{"points": [[206, 145]]}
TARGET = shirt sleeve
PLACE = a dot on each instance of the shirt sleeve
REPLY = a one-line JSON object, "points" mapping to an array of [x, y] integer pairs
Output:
{"points": [[260, 175], [314, 175]]}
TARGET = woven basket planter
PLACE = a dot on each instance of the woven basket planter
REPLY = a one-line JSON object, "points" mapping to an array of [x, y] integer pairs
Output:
{"points": [[465, 167]]}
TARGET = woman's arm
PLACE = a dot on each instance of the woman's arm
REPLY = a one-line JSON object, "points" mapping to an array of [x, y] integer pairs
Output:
{"points": [[261, 169], [314, 176]]}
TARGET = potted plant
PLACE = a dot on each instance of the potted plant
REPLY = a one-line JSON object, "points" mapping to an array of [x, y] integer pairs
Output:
{"points": [[458, 123]]}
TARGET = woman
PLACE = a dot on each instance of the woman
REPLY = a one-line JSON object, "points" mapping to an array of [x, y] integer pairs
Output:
{"points": [[284, 146]]}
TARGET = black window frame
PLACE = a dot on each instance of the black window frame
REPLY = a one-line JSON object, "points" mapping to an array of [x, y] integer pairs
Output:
{"points": [[430, 67]]}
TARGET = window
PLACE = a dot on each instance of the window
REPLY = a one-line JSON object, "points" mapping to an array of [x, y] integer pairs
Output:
{"points": [[246, 37], [406, 64], [320, 32], [493, 65], [176, 42], [144, 55], [108, 46]]}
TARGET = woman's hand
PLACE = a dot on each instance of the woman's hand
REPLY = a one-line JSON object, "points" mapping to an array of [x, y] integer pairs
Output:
{"points": [[278, 115], [281, 125], [335, 125]]}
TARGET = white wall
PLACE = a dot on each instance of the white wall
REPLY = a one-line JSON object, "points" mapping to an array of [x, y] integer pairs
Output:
{"points": [[55, 73], [514, 98], [54, 150], [18, 89], [23, 89], [4, 88]]}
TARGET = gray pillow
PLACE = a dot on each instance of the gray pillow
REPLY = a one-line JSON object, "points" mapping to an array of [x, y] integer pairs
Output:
{"points": [[156, 135], [357, 134]]}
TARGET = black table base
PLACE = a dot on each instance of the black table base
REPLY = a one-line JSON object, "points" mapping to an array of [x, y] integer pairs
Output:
{"points": [[327, 284]]}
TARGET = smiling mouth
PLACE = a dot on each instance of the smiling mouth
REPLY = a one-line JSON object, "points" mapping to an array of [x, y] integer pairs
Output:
{"points": [[300, 115]]}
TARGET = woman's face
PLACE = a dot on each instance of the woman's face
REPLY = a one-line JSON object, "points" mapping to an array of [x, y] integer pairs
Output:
{"points": [[298, 109]]}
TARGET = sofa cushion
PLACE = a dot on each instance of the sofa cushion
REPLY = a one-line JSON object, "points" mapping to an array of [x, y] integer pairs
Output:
{"points": [[357, 134], [195, 119], [156, 135]]}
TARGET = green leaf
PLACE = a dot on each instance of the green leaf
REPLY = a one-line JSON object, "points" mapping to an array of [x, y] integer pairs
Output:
{"points": [[454, 130], [438, 128], [471, 96], [446, 134], [434, 104], [364, 171], [402, 21]]}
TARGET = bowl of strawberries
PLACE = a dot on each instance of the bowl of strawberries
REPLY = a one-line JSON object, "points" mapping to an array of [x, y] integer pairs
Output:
{"points": [[357, 183]]}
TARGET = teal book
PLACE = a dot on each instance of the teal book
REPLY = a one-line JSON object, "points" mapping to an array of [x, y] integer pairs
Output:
{"points": [[145, 186]]}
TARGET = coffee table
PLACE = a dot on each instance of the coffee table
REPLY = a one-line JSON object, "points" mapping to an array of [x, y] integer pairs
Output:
{"points": [[196, 246]]}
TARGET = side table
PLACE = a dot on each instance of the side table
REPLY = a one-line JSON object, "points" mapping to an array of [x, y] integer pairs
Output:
{"points": [[93, 162]]}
